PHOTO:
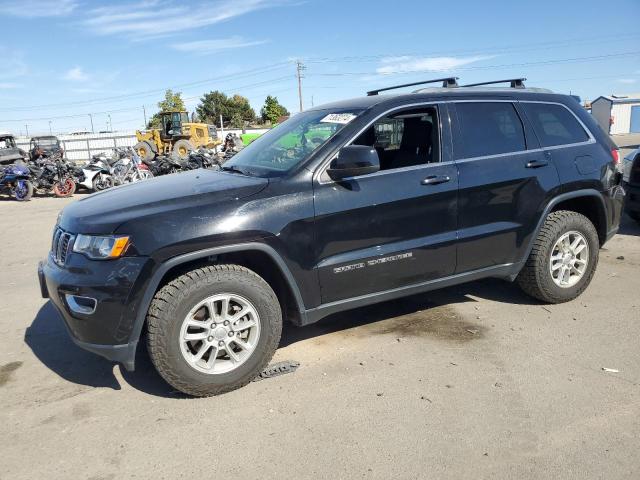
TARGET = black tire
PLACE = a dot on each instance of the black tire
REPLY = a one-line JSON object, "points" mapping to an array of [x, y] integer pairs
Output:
{"points": [[146, 150], [181, 149], [106, 183], [535, 278], [635, 216], [29, 193], [171, 305]]}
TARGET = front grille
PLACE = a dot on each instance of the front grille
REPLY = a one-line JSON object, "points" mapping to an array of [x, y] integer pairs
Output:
{"points": [[60, 245]]}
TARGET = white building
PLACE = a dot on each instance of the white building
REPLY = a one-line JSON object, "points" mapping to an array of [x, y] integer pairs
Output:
{"points": [[617, 114]]}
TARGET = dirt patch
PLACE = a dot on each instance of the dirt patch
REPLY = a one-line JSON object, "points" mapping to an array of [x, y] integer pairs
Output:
{"points": [[440, 322], [7, 370]]}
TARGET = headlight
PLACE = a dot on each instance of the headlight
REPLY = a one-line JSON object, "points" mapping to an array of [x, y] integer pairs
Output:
{"points": [[101, 247]]}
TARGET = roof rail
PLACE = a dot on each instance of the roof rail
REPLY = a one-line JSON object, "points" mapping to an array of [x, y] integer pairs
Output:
{"points": [[448, 82], [514, 83]]}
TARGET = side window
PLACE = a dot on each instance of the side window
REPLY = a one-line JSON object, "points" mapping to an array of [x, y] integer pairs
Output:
{"points": [[488, 128], [554, 124], [404, 139]]}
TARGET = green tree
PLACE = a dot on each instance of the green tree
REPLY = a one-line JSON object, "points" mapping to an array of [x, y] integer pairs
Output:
{"points": [[272, 110], [235, 111], [172, 102]]}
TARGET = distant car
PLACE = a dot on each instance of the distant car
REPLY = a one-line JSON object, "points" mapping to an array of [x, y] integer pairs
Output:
{"points": [[9, 151], [44, 146], [631, 182]]}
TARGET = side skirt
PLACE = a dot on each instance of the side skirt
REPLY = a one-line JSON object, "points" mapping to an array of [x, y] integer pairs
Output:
{"points": [[507, 271]]}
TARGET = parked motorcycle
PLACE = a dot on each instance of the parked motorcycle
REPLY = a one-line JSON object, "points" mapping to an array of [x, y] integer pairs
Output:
{"points": [[201, 158], [98, 173], [232, 145], [163, 165], [129, 168], [16, 180], [53, 174]]}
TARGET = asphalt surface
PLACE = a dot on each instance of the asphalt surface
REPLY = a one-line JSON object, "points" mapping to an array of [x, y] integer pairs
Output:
{"points": [[475, 381]]}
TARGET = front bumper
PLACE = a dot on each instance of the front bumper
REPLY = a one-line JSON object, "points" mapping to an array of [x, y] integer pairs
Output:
{"points": [[107, 330]]}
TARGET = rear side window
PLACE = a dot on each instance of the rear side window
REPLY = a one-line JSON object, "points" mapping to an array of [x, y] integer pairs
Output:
{"points": [[554, 124], [489, 128]]}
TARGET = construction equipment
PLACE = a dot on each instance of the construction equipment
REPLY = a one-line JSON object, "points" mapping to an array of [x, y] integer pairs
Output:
{"points": [[177, 136]]}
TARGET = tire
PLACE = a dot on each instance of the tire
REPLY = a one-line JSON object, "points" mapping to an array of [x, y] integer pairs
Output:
{"points": [[102, 185], [23, 191], [535, 278], [635, 216], [146, 150], [64, 188], [181, 149], [176, 301]]}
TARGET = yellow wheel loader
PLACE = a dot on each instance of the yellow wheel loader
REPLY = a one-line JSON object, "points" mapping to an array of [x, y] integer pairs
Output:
{"points": [[177, 136]]}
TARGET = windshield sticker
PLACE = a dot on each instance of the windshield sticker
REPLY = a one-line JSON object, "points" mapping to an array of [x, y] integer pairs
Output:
{"points": [[342, 118]]}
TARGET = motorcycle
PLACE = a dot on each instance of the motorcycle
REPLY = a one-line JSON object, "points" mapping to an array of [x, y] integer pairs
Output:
{"points": [[129, 168], [98, 173], [163, 165], [232, 145], [53, 174], [16, 179], [201, 158]]}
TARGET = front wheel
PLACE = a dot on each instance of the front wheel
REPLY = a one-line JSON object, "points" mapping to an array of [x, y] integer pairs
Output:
{"points": [[563, 259], [64, 188], [212, 330], [102, 182], [23, 190]]}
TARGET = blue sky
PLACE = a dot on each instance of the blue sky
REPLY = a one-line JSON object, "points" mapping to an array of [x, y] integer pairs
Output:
{"points": [[64, 59]]}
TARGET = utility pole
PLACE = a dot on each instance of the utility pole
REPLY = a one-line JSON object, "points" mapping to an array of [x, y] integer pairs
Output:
{"points": [[110, 123], [26, 127], [91, 118], [299, 68], [144, 112], [50, 132]]}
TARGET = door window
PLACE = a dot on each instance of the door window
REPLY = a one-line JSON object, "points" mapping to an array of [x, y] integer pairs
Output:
{"points": [[554, 124], [488, 128], [405, 138]]}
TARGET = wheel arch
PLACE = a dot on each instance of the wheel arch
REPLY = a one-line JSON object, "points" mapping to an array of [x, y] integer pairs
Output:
{"points": [[250, 255], [588, 202]]}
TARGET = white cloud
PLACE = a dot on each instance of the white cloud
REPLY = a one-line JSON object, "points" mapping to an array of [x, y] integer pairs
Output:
{"points": [[37, 8], [405, 64], [76, 74], [206, 47], [627, 81], [154, 18]]}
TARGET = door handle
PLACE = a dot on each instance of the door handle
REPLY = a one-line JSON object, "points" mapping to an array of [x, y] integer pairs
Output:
{"points": [[537, 163], [435, 180]]}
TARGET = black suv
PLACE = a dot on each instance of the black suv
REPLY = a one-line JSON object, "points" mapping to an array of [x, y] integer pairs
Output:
{"points": [[344, 205]]}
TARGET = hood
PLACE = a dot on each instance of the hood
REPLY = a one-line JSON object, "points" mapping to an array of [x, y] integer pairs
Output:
{"points": [[103, 212]]}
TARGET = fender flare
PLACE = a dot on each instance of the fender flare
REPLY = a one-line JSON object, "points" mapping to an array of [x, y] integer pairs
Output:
{"points": [[160, 272], [588, 192]]}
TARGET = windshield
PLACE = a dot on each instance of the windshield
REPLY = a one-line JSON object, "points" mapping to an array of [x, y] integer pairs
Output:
{"points": [[284, 147], [47, 142], [7, 142]]}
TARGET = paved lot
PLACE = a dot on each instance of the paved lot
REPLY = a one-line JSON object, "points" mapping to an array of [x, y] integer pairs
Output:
{"points": [[475, 381]]}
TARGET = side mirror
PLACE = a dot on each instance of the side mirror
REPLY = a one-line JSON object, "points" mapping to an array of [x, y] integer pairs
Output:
{"points": [[354, 160]]}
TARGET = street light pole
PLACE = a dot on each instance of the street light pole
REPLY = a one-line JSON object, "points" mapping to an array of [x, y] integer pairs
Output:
{"points": [[26, 127], [110, 124], [50, 132], [91, 118]]}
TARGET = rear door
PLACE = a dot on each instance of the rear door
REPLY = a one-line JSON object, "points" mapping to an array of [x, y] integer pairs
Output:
{"points": [[396, 227], [504, 181]]}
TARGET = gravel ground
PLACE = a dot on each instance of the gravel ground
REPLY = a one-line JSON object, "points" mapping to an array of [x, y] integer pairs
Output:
{"points": [[474, 381]]}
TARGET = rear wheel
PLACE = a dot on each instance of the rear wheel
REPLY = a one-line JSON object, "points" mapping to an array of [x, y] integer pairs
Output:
{"points": [[212, 330], [145, 150], [181, 149], [563, 259], [64, 188]]}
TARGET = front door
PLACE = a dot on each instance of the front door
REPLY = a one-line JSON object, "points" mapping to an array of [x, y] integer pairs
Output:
{"points": [[396, 227]]}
